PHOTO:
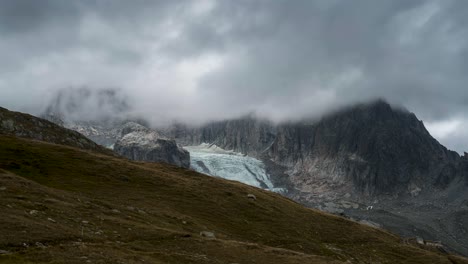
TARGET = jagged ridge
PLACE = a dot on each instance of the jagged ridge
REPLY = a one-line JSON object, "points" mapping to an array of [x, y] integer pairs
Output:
{"points": [[379, 149]]}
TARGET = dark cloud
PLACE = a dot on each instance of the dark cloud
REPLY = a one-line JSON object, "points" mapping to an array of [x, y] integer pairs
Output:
{"points": [[26, 16], [200, 60]]}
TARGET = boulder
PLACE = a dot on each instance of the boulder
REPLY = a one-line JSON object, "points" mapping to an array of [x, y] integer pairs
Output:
{"points": [[207, 234], [143, 144]]}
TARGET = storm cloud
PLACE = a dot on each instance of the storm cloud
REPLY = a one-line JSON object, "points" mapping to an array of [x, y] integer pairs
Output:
{"points": [[195, 61]]}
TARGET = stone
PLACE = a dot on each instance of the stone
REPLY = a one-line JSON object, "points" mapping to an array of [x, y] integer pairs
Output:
{"points": [[40, 245], [251, 196], [207, 234], [420, 240]]}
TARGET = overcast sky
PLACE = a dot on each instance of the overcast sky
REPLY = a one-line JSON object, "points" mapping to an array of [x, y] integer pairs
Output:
{"points": [[201, 60]]}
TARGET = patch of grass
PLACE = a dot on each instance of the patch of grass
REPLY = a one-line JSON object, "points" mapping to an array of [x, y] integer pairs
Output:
{"points": [[65, 205]]}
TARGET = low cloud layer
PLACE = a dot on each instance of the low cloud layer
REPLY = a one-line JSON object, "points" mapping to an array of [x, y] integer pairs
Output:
{"points": [[201, 60]]}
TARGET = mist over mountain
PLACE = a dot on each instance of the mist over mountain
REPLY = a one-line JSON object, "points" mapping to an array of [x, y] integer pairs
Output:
{"points": [[109, 105], [199, 61], [84, 104]]}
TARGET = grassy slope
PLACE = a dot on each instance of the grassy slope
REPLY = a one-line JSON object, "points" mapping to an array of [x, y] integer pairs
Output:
{"points": [[64, 205], [28, 126]]}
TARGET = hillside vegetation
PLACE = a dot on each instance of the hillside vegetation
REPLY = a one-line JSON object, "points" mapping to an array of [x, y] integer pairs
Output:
{"points": [[28, 126], [60, 204]]}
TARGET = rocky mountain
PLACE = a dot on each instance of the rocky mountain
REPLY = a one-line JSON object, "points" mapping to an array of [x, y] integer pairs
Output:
{"points": [[371, 161], [247, 135], [110, 125], [374, 148], [133, 141], [67, 205]]}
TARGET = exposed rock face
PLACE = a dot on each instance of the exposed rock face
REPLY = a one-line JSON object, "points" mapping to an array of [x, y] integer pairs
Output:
{"points": [[105, 135], [247, 135], [143, 144], [377, 148], [371, 149]]}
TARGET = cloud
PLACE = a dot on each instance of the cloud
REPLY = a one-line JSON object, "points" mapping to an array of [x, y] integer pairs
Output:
{"points": [[451, 132], [201, 60]]}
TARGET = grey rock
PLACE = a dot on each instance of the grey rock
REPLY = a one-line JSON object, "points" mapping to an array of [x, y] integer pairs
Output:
{"points": [[207, 234], [143, 144], [251, 196], [40, 245]]}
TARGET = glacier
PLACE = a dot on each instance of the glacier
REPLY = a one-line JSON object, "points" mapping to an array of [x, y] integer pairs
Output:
{"points": [[212, 160]]}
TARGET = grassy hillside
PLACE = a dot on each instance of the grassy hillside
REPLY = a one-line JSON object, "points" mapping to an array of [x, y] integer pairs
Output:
{"points": [[28, 126], [60, 204]]}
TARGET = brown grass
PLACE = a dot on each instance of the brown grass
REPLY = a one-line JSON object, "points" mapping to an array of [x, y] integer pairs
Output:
{"points": [[64, 205]]}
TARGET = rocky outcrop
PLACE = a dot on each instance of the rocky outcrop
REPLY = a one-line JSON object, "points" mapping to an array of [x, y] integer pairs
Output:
{"points": [[143, 144]]}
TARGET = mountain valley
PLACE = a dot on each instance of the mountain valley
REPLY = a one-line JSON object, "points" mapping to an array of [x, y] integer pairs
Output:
{"points": [[370, 162], [62, 204]]}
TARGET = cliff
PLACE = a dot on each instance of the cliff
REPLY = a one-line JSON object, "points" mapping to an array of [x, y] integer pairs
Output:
{"points": [[369, 148]]}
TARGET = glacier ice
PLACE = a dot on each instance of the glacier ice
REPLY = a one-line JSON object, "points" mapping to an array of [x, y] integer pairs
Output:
{"points": [[215, 161]]}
